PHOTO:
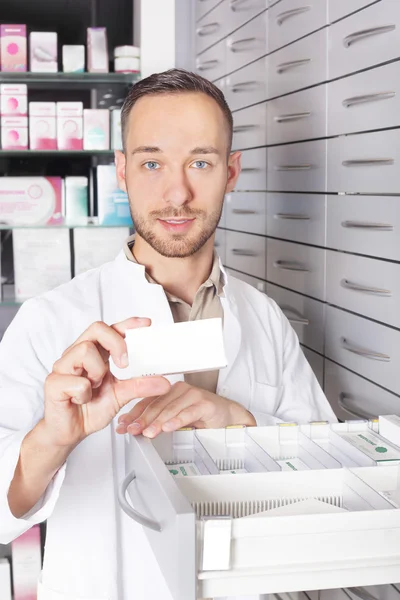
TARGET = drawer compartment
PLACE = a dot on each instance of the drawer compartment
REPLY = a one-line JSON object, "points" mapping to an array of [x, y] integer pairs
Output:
{"points": [[297, 217], [246, 253], [253, 176], [202, 7], [250, 127], [297, 167], [247, 43], [246, 212], [247, 86], [337, 9], [219, 244], [212, 63], [290, 20], [212, 28]]}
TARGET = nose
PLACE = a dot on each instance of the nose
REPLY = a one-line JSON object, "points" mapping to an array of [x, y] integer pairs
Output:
{"points": [[177, 192]]}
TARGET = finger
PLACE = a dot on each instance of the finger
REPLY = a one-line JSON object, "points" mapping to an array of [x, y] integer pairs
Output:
{"points": [[188, 416], [83, 358], [170, 412], [139, 387], [128, 418], [63, 388]]}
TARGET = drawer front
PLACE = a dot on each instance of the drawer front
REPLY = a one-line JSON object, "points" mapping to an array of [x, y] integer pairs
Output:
{"points": [[298, 116], [246, 252], [364, 224], [298, 66], [365, 347], [364, 39], [246, 212], [297, 167], [290, 20], [247, 86], [305, 315], [202, 7], [337, 9], [366, 163], [366, 101], [254, 171], [247, 43], [250, 127], [299, 268], [253, 281], [366, 286], [241, 11], [352, 397], [220, 244], [212, 28], [297, 217], [317, 364], [211, 64]]}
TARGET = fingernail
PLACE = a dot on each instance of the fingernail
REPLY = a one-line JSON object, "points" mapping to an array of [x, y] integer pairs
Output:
{"points": [[133, 427], [124, 360], [150, 431], [121, 428]]}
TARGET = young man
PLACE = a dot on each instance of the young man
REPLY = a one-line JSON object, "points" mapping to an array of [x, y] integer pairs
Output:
{"points": [[62, 409]]}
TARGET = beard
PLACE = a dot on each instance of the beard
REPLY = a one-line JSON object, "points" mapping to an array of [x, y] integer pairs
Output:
{"points": [[177, 245]]}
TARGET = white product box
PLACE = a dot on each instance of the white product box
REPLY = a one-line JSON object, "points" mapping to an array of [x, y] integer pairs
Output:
{"points": [[43, 52], [13, 100], [70, 125], [96, 129], [123, 51], [14, 133], [31, 200], [389, 428], [42, 260], [5, 579], [42, 126], [94, 246], [116, 131], [127, 64], [97, 50], [73, 58], [76, 200], [27, 563], [112, 203]]}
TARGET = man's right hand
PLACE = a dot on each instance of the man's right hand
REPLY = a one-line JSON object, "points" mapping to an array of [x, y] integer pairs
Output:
{"points": [[81, 394]]}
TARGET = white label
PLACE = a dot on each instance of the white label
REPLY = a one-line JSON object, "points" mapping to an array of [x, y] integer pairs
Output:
{"points": [[372, 445], [183, 470], [292, 464], [233, 471]]}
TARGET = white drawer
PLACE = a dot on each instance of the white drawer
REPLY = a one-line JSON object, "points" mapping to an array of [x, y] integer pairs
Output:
{"points": [[246, 253], [367, 163], [364, 224], [352, 397], [253, 176], [253, 281], [366, 101], [337, 9], [297, 167], [241, 11], [220, 244], [290, 20], [367, 38], [246, 211], [297, 217], [202, 7], [247, 86], [368, 348], [299, 268], [212, 64], [250, 127], [247, 43], [367, 286], [298, 66], [212, 28], [317, 364], [305, 315], [298, 116]]}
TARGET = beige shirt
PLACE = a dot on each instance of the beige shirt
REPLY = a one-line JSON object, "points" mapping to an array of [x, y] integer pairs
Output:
{"points": [[206, 305]]}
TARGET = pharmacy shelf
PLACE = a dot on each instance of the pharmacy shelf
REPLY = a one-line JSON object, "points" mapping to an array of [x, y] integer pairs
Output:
{"points": [[70, 80], [26, 153], [64, 226]]}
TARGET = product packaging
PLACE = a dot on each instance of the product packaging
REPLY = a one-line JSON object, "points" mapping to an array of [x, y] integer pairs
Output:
{"points": [[73, 58], [31, 200], [13, 100], [70, 125], [13, 52], [96, 129], [42, 126], [97, 48], [112, 203], [43, 52], [14, 133]]}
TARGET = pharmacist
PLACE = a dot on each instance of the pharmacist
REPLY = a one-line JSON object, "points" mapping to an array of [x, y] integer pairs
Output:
{"points": [[64, 415]]}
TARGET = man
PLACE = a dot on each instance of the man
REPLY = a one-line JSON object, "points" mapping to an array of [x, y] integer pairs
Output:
{"points": [[62, 409]]}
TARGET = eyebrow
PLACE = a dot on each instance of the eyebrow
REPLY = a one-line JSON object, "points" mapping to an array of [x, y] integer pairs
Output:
{"points": [[156, 149]]}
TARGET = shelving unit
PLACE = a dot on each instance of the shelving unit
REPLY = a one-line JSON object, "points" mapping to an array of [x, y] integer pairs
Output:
{"points": [[69, 80]]}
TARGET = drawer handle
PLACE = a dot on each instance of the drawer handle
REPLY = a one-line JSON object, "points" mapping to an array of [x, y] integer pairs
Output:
{"points": [[367, 225], [242, 128], [245, 86], [342, 403], [362, 288], [208, 29], [293, 167], [288, 265], [236, 4], [250, 169], [243, 252], [292, 217], [243, 211], [236, 45], [361, 593], [298, 318], [348, 102], [282, 17], [286, 66], [207, 65], [368, 162], [129, 510], [292, 117], [364, 352], [366, 33]]}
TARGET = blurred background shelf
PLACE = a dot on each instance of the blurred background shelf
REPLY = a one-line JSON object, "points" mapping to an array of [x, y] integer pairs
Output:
{"points": [[70, 80], [54, 153]]}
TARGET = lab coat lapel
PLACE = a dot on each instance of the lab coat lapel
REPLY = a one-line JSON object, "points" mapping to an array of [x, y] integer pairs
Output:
{"points": [[232, 334]]}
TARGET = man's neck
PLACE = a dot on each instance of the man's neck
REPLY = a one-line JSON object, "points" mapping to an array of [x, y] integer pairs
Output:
{"points": [[181, 277]]}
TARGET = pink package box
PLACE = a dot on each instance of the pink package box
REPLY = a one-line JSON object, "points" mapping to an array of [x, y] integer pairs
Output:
{"points": [[42, 126], [27, 563], [96, 129], [70, 125], [13, 48], [13, 100], [14, 133], [97, 49], [43, 52], [31, 200]]}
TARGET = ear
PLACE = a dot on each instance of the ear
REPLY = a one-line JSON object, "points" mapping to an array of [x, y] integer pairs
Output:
{"points": [[120, 164], [234, 169]]}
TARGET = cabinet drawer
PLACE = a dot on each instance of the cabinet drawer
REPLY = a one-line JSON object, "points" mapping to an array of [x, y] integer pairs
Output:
{"points": [[298, 66], [202, 7], [290, 20], [305, 315], [297, 167], [367, 286], [241, 11], [220, 244], [299, 268], [365, 224], [250, 127], [212, 28], [297, 217], [298, 116], [368, 348], [367, 38], [247, 86], [337, 9], [366, 101], [246, 252], [352, 397], [246, 212], [253, 281], [366, 163], [247, 43], [254, 171], [317, 364], [211, 64]]}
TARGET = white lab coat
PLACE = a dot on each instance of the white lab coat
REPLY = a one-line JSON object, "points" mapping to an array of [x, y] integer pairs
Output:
{"points": [[93, 551]]}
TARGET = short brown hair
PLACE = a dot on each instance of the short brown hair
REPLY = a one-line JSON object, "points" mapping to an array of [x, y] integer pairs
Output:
{"points": [[174, 81]]}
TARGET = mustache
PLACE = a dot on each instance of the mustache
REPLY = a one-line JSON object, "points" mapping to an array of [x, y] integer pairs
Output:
{"points": [[188, 213]]}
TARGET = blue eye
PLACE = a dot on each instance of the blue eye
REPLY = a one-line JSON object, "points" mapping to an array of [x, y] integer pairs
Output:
{"points": [[151, 165], [200, 164]]}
